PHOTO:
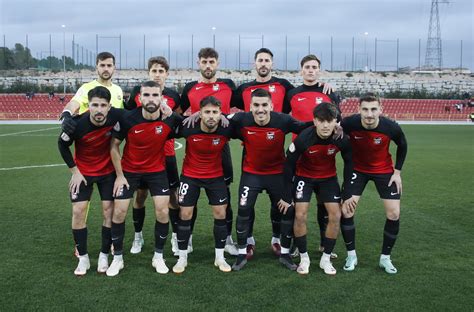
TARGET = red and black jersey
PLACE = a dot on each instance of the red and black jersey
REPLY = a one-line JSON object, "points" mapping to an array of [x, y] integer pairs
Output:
{"points": [[194, 92], [304, 99], [371, 147], [315, 158], [277, 87], [145, 140], [264, 145], [170, 98], [91, 144], [203, 159]]}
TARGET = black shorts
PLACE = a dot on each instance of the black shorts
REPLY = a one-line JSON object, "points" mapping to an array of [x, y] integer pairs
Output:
{"points": [[105, 184], [253, 184], [327, 190], [171, 173], [190, 189], [359, 181], [156, 182], [227, 164]]}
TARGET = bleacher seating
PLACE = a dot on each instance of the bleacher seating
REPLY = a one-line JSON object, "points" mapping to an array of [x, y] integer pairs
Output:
{"points": [[41, 107]]}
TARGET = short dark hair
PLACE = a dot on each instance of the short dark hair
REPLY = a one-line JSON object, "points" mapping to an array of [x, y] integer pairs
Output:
{"points": [[261, 93], [209, 100], [369, 97], [160, 60], [310, 57], [151, 84], [103, 56], [208, 52], [263, 50], [99, 92], [325, 111]]}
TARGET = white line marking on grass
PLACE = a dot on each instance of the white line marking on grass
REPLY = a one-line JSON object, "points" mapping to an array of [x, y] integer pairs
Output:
{"points": [[39, 130], [29, 167]]}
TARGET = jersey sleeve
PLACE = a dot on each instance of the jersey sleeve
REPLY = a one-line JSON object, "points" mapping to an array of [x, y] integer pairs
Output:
{"points": [[185, 104], [286, 101], [237, 99], [131, 103], [64, 142], [176, 99], [402, 146], [296, 126]]}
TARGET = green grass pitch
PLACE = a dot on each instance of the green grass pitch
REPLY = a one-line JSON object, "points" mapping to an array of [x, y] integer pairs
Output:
{"points": [[434, 252]]}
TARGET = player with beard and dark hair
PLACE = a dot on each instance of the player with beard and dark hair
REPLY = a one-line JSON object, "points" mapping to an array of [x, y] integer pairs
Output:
{"points": [[158, 70], [221, 89], [91, 165], [143, 162]]}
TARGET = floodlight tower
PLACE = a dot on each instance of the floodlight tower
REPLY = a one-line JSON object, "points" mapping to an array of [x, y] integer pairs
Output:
{"points": [[434, 52]]}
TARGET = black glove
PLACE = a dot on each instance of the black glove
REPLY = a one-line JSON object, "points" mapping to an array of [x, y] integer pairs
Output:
{"points": [[68, 124]]}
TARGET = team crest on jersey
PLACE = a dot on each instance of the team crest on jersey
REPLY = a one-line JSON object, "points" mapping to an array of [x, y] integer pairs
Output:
{"points": [[215, 87], [159, 129], [117, 126], [271, 88], [319, 100], [377, 140], [270, 135], [331, 151], [216, 141], [243, 201], [165, 101]]}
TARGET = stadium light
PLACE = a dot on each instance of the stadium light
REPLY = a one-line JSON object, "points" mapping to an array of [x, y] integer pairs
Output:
{"points": [[64, 58], [213, 37]]}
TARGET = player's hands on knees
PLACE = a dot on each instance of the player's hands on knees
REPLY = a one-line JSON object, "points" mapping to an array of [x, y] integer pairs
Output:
{"points": [[165, 110], [75, 183], [283, 206], [349, 206], [120, 183], [397, 179], [224, 121], [68, 124], [327, 88], [191, 120], [338, 132]]}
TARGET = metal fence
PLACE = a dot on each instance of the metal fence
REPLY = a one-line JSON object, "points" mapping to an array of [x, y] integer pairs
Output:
{"points": [[353, 53]]}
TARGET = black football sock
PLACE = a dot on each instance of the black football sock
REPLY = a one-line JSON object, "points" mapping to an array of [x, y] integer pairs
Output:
{"points": [[329, 244], [275, 217], [184, 232], [118, 233], [251, 222], [80, 238], [174, 217], [348, 232], [138, 218], [229, 215], [301, 243], [220, 233], [390, 235], [106, 239]]}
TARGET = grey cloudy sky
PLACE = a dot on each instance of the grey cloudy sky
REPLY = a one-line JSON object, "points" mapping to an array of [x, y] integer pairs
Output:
{"points": [[388, 20]]}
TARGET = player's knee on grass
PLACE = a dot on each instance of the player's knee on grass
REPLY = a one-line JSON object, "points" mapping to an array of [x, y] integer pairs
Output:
{"points": [[219, 212], [186, 213], [392, 209], [120, 210]]}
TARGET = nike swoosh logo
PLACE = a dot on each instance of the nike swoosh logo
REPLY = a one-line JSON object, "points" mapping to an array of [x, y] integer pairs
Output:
{"points": [[197, 140], [393, 193], [199, 88], [312, 152], [181, 240], [114, 238], [163, 237], [240, 232], [165, 190], [358, 138], [337, 197], [222, 200], [138, 131], [251, 132], [223, 240], [301, 99]]}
